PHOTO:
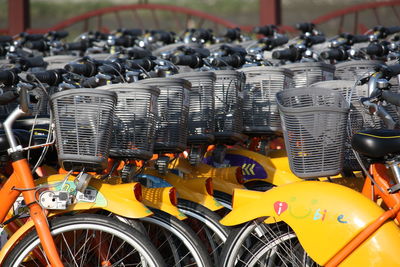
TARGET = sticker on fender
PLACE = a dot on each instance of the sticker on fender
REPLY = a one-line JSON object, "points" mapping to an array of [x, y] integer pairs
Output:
{"points": [[88, 196]]}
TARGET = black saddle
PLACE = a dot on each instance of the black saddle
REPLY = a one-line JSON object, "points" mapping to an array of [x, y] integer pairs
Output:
{"points": [[377, 143]]}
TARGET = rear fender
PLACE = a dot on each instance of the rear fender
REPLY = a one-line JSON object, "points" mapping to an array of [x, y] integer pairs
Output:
{"points": [[325, 217]]}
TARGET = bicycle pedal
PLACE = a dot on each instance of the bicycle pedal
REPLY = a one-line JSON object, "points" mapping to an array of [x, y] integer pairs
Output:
{"points": [[55, 200]]}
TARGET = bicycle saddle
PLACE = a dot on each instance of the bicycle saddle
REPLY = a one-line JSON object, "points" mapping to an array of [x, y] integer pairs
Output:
{"points": [[377, 143]]}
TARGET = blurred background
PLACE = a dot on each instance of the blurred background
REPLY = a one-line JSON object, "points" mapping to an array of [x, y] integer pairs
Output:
{"points": [[47, 13]]}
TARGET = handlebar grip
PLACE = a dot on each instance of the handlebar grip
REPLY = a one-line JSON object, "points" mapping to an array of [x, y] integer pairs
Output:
{"points": [[164, 37], [40, 45], [393, 69], [317, 39], [235, 61], [390, 97], [81, 46], [58, 34], [232, 34], [112, 68], [192, 61], [359, 38], [336, 54], [376, 50], [85, 69], [203, 34], [143, 63], [125, 41], [6, 39], [9, 77], [51, 77], [305, 26], [32, 37], [8, 97], [32, 62], [392, 30], [267, 30], [138, 53], [287, 54]]}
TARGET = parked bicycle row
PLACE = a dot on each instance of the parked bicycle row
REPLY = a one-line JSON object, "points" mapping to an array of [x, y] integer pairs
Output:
{"points": [[131, 145]]}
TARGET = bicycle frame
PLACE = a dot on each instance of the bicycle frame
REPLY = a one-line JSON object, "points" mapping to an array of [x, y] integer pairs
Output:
{"points": [[22, 181]]}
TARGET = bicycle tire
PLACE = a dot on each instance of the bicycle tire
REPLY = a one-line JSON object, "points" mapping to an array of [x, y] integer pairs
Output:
{"points": [[89, 228], [176, 241], [205, 224]]}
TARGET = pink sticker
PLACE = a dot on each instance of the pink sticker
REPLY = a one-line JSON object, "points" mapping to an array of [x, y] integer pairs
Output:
{"points": [[280, 207]]}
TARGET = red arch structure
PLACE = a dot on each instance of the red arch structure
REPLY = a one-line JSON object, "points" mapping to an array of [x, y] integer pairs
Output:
{"points": [[356, 10], [182, 16]]}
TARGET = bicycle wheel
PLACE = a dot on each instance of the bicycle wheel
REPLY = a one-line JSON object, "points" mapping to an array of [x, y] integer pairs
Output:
{"points": [[282, 248], [205, 224], [176, 241], [257, 244], [88, 240]]}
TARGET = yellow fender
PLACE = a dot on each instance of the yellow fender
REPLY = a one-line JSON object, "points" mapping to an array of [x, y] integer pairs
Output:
{"points": [[118, 199], [158, 198], [224, 179], [193, 189], [325, 217]]}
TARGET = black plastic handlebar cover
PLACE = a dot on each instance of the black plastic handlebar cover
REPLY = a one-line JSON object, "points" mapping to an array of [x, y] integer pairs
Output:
{"points": [[125, 41], [192, 61], [267, 30], [271, 43], [5, 39], [51, 77], [32, 37], [291, 54], [9, 77], [234, 60], [336, 54], [312, 40], [58, 34], [40, 45], [132, 32], [32, 62], [390, 97], [8, 97], [359, 38], [377, 49], [138, 53], [112, 68], [232, 34], [203, 34], [305, 27], [87, 69], [143, 63], [80, 46]]}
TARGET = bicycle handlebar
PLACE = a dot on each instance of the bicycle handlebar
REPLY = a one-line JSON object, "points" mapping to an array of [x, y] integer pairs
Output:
{"points": [[9, 77], [51, 77], [291, 54], [390, 97], [267, 30], [234, 60], [375, 49], [138, 53], [143, 63], [8, 97], [336, 54], [6, 39], [192, 61], [87, 69]]}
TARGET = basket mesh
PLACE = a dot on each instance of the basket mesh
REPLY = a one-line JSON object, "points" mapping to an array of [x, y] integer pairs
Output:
{"points": [[173, 111], [201, 122], [260, 111], [134, 120], [355, 69], [314, 124], [307, 73], [228, 88], [83, 122]]}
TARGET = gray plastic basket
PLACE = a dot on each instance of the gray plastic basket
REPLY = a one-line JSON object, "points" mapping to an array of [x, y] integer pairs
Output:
{"points": [[314, 125], [260, 111], [307, 73], [134, 121], [173, 112], [355, 69], [83, 121], [201, 122], [228, 88]]}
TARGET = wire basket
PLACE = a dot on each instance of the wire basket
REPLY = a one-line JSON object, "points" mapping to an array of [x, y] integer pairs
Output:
{"points": [[83, 121], [228, 88], [173, 111], [314, 125], [260, 111], [201, 122], [307, 73], [134, 121], [355, 69]]}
